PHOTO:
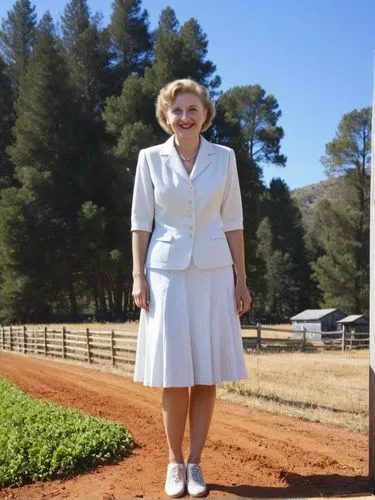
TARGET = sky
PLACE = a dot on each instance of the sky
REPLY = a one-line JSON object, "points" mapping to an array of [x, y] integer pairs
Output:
{"points": [[315, 56]]}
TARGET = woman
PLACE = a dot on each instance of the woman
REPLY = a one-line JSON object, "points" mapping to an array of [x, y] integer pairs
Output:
{"points": [[187, 198]]}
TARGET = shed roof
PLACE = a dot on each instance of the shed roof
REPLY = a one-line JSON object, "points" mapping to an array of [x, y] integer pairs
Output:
{"points": [[312, 314], [353, 318]]}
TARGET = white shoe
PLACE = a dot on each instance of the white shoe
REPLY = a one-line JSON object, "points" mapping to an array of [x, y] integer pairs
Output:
{"points": [[175, 481], [195, 484]]}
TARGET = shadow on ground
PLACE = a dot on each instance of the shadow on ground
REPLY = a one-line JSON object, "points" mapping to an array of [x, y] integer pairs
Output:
{"points": [[302, 486]]}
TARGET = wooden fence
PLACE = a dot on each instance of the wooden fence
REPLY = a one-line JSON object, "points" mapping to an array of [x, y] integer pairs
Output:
{"points": [[305, 341], [100, 347], [118, 348]]}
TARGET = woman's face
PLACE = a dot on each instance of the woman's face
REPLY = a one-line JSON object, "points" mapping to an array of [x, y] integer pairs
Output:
{"points": [[186, 115]]}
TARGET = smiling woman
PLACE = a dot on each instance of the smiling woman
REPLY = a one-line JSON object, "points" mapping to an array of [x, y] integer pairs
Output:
{"points": [[187, 198], [190, 113]]}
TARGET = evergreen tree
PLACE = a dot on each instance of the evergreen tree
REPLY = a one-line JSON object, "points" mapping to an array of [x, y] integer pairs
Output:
{"points": [[130, 40], [127, 119], [282, 248], [17, 38], [6, 123], [38, 218], [247, 121], [180, 53], [343, 272], [335, 229], [87, 57], [255, 115], [194, 55]]}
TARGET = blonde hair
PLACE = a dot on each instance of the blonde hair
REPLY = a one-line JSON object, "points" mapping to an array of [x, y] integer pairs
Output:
{"points": [[187, 86]]}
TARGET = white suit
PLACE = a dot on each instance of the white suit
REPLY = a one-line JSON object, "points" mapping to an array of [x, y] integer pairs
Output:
{"points": [[190, 213], [191, 333]]}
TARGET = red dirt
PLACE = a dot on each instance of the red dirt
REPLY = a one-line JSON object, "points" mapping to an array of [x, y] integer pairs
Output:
{"points": [[249, 453]]}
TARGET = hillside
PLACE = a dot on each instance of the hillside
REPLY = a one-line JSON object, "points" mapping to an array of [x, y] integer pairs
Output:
{"points": [[308, 196]]}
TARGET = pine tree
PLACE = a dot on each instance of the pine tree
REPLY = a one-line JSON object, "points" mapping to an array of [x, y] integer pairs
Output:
{"points": [[130, 40], [6, 123], [180, 53], [288, 279], [87, 57], [38, 218], [17, 38], [343, 271], [167, 51], [127, 119], [255, 114], [246, 120]]}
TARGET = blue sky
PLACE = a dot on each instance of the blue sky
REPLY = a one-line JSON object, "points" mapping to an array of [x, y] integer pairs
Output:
{"points": [[315, 56]]}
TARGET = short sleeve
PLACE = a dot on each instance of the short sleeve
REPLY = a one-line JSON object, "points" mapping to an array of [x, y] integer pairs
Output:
{"points": [[231, 208], [142, 213]]}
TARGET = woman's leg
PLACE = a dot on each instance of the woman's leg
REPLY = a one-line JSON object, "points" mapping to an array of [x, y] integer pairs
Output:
{"points": [[175, 406], [202, 402]]}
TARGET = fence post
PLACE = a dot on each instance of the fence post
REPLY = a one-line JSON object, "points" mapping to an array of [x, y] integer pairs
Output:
{"points": [[88, 345], [351, 340], [113, 347], [45, 341], [2, 337], [259, 336], [25, 350], [11, 338], [343, 340], [63, 342], [303, 340]]}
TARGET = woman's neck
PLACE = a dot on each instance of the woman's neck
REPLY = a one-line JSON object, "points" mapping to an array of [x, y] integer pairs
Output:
{"points": [[187, 147]]}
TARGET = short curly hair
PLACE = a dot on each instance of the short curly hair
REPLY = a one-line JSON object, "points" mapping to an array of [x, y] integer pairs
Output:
{"points": [[187, 86]]}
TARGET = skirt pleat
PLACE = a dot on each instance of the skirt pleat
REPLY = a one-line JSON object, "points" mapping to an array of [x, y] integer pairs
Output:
{"points": [[191, 334]]}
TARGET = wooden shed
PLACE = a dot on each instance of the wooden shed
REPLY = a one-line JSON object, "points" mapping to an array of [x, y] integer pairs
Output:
{"points": [[317, 320], [356, 323]]}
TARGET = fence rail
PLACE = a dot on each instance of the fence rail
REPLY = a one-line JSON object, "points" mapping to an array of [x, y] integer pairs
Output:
{"points": [[118, 348], [306, 340], [113, 348]]}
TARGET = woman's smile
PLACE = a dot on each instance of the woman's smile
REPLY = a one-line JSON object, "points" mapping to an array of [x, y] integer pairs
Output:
{"points": [[186, 114]]}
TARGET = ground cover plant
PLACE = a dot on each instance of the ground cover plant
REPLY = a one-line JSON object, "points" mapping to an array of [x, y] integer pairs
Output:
{"points": [[41, 440]]}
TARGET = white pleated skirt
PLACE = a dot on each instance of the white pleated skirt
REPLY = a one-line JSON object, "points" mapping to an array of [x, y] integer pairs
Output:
{"points": [[191, 334]]}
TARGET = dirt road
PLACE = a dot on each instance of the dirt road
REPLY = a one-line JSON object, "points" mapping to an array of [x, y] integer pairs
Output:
{"points": [[249, 453]]}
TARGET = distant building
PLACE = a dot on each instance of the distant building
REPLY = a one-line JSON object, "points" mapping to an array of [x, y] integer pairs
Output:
{"points": [[356, 323], [317, 320]]}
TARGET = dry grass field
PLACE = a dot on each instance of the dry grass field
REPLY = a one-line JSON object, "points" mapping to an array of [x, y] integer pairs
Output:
{"points": [[329, 387]]}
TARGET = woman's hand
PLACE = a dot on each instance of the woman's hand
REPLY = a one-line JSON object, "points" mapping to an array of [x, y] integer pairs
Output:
{"points": [[243, 298], [141, 293]]}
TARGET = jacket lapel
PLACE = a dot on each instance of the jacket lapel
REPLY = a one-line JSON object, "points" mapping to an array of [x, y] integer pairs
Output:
{"points": [[204, 159], [172, 160]]}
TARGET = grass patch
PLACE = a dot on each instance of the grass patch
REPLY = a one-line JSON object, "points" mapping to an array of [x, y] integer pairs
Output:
{"points": [[329, 387], [41, 440]]}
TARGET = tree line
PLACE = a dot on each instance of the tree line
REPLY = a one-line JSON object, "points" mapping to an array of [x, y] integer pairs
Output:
{"points": [[77, 105]]}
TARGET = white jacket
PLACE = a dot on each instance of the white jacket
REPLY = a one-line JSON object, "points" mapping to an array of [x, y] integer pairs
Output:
{"points": [[187, 215]]}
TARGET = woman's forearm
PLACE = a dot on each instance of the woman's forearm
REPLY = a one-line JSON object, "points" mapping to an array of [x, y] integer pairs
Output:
{"points": [[237, 248], [140, 241]]}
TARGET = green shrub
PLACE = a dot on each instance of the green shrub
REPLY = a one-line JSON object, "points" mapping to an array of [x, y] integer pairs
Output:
{"points": [[41, 440]]}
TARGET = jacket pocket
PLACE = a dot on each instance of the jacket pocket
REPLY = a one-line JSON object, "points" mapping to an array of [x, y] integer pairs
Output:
{"points": [[164, 237]]}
